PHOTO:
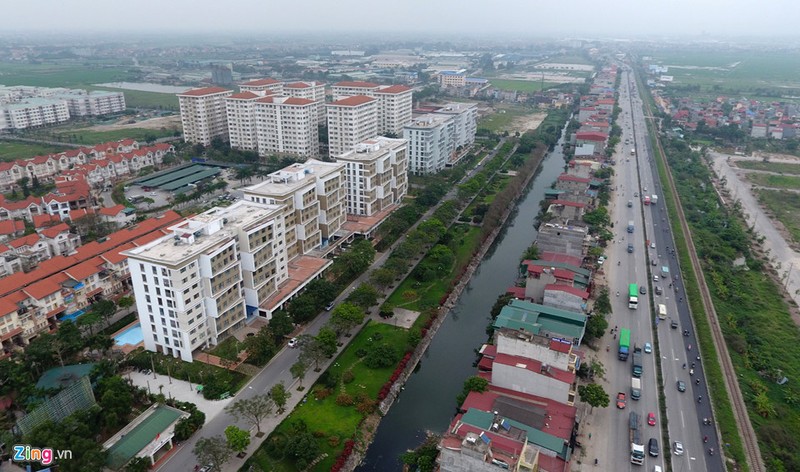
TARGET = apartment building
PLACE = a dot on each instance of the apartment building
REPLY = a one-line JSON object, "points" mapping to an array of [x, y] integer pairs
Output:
{"points": [[204, 114], [350, 121], [453, 78], [431, 143], [196, 285], [376, 174], [314, 91], [240, 112], [286, 125], [394, 108], [394, 103], [94, 103], [312, 195], [263, 86], [33, 113], [465, 119]]}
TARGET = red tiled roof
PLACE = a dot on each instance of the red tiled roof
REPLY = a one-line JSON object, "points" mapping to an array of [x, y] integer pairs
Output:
{"points": [[568, 203], [256, 83], [516, 292], [244, 96], [85, 269], [568, 289], [297, 101], [355, 84], [75, 215], [591, 135], [54, 231], [28, 240], [394, 89], [353, 101], [43, 288], [565, 274], [560, 257], [114, 256], [535, 366], [11, 226], [7, 307], [204, 91], [112, 211], [572, 178], [297, 85]]}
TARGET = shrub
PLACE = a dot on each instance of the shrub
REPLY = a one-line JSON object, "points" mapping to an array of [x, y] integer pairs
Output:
{"points": [[333, 441], [344, 399], [348, 376], [381, 356], [322, 393], [361, 352]]}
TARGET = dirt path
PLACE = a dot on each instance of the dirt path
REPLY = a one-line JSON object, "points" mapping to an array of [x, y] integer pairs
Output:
{"points": [[527, 122]]}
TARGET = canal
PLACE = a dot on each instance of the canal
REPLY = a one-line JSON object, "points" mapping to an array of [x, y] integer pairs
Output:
{"points": [[429, 399]]}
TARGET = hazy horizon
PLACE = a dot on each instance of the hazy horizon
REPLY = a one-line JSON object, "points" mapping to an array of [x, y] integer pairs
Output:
{"points": [[580, 18]]}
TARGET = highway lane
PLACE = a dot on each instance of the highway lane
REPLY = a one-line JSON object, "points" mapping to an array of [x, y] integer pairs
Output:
{"points": [[686, 415]]}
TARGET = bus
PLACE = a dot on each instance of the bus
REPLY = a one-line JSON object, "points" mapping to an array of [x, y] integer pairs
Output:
{"points": [[633, 296], [662, 311], [624, 344]]}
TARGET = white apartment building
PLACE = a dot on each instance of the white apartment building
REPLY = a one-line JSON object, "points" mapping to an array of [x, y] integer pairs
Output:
{"points": [[376, 173], [241, 115], [94, 103], [286, 125], [465, 119], [204, 114], [33, 112], [310, 91], [312, 195], [394, 102], [453, 78], [431, 143], [262, 86], [394, 108], [195, 286], [350, 121]]}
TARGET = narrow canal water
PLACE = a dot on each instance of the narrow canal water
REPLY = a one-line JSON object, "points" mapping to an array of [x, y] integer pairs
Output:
{"points": [[429, 399]]}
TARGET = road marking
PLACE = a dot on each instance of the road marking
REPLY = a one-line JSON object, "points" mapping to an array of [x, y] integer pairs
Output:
{"points": [[683, 421]]}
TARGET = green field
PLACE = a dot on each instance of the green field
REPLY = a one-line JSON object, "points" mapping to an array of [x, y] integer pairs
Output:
{"points": [[785, 206], [501, 120], [150, 100], [774, 180], [11, 150], [324, 417], [523, 86], [779, 167]]}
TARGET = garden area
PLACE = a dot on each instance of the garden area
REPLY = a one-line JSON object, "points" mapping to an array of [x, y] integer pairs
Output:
{"points": [[775, 181], [335, 406], [783, 206]]}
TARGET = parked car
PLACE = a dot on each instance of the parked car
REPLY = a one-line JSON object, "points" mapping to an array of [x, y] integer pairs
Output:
{"points": [[651, 419], [329, 306], [655, 278], [621, 400]]}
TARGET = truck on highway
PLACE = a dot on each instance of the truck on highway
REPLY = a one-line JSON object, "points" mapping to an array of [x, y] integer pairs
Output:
{"points": [[630, 226], [633, 151], [633, 296], [654, 199], [637, 447], [662, 311], [624, 344], [637, 361], [636, 388], [665, 272]]}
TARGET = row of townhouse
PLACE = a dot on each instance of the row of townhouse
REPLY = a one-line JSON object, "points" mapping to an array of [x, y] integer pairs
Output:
{"points": [[46, 167], [64, 287], [24, 253], [215, 271]]}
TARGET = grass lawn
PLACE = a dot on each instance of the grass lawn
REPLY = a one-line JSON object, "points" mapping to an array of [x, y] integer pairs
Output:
{"points": [[524, 86], [11, 150], [774, 181], [501, 120], [62, 73], [780, 167], [413, 295], [82, 135], [141, 99], [785, 206], [228, 349], [324, 417]]}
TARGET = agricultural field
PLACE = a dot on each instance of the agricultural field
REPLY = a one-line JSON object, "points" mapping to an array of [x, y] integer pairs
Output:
{"points": [[779, 167], [522, 86], [11, 150], [762, 73], [783, 206], [774, 180]]}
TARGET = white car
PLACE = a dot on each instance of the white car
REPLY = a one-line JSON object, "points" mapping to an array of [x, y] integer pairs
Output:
{"points": [[648, 348], [655, 278], [292, 342], [677, 447], [652, 245]]}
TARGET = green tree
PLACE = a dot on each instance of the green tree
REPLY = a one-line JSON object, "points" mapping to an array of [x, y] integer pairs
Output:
{"points": [[327, 340], [382, 277], [115, 400], [380, 356], [238, 439], [261, 347], [138, 464], [281, 324], [125, 302], [301, 445], [432, 230], [280, 395], [532, 253], [345, 317], [89, 320], [596, 326], [603, 303], [313, 350], [254, 410], [298, 370], [67, 340], [364, 296], [594, 395], [213, 451], [472, 384], [304, 308]]}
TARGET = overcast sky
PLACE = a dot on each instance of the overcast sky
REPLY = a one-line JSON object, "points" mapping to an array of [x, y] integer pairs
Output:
{"points": [[617, 18]]}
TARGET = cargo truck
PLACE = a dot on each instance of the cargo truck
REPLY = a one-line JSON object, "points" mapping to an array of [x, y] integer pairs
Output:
{"points": [[637, 361], [624, 344], [633, 296], [636, 388], [637, 448], [654, 199]]}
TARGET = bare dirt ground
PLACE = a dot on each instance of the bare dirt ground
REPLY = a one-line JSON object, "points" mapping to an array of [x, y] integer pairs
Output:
{"points": [[527, 122], [173, 121]]}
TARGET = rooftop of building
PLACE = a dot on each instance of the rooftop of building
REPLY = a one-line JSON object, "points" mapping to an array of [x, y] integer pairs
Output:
{"points": [[393, 89], [279, 100], [372, 149], [203, 232], [360, 84], [354, 101], [540, 319], [291, 178], [457, 107], [201, 92], [430, 120], [260, 82]]}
